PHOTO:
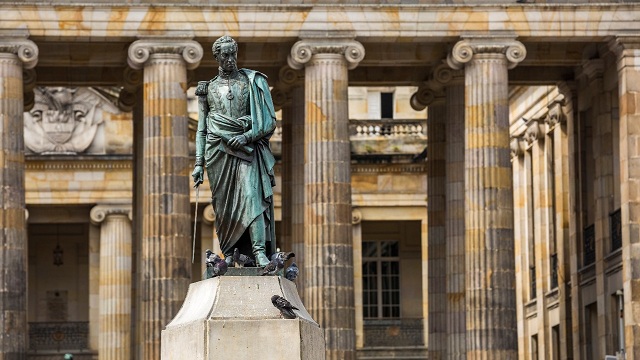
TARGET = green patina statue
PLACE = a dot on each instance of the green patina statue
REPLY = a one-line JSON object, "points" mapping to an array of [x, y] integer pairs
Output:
{"points": [[236, 118]]}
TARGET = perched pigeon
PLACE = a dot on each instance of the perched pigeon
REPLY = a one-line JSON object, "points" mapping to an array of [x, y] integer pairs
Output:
{"points": [[292, 272], [273, 266], [283, 255], [208, 258], [285, 307], [240, 260], [215, 267]]}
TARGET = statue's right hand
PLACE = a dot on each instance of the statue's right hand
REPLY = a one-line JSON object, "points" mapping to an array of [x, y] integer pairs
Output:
{"points": [[198, 176]]}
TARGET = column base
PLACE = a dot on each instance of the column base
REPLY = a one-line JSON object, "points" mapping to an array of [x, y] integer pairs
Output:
{"points": [[231, 316]]}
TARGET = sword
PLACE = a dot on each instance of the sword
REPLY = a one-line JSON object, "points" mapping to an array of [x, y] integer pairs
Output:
{"points": [[195, 221]]}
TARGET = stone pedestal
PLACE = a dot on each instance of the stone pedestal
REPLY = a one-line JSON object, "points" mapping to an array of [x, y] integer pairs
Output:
{"points": [[232, 316]]}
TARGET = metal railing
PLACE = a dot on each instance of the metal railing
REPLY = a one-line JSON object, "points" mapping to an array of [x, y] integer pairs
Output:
{"points": [[615, 225], [588, 245]]}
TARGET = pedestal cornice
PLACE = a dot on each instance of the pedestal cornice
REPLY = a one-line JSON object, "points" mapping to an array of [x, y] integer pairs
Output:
{"points": [[26, 50], [100, 212], [304, 50], [464, 50], [141, 50]]}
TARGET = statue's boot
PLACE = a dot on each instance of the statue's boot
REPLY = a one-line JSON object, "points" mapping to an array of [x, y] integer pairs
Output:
{"points": [[258, 234]]}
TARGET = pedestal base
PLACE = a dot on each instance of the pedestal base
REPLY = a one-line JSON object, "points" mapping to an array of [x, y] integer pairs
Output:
{"points": [[232, 316]]}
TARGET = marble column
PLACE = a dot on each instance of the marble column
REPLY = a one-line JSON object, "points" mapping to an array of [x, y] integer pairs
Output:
{"points": [[489, 243], [328, 250], [16, 54], [165, 249], [114, 339], [627, 49], [455, 281]]}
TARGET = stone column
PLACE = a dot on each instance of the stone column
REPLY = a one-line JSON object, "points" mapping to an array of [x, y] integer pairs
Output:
{"points": [[356, 224], [455, 282], [627, 49], [328, 251], [489, 242], [165, 249], [114, 339], [432, 96], [16, 54]]}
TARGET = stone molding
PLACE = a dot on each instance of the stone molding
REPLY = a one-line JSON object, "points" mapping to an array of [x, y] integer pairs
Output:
{"points": [[356, 216], [625, 46], [464, 50], [591, 69], [140, 51], [100, 212], [26, 50], [556, 115], [303, 50], [517, 146], [208, 215], [533, 132]]}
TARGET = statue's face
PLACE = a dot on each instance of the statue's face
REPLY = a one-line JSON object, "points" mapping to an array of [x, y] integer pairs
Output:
{"points": [[228, 57]]}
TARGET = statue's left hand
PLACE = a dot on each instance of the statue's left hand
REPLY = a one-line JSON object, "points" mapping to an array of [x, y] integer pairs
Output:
{"points": [[237, 141]]}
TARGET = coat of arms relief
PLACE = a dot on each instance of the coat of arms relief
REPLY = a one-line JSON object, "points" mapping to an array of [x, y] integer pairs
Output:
{"points": [[66, 121]]}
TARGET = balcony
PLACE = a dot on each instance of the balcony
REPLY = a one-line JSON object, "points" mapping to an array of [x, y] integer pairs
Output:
{"points": [[384, 140]]}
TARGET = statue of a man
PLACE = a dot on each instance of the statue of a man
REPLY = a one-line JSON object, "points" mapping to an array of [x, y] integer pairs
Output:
{"points": [[236, 118]]}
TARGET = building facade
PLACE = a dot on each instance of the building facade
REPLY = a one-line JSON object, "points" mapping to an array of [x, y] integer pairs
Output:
{"points": [[458, 180]]}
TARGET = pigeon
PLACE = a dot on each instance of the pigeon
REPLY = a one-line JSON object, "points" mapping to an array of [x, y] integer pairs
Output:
{"points": [[208, 258], [292, 272], [273, 266], [283, 255], [241, 260], [215, 266], [285, 307]]}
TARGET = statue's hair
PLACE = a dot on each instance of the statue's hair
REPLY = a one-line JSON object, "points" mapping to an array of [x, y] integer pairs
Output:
{"points": [[223, 40]]}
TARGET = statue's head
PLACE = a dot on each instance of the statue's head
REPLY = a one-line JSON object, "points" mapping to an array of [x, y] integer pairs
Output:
{"points": [[225, 51]]}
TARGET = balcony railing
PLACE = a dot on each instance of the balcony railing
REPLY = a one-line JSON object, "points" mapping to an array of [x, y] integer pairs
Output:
{"points": [[615, 224], [589, 245], [58, 336], [532, 282], [377, 137], [554, 271]]}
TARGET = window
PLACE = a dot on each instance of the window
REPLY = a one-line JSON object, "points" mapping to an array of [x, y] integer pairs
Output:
{"points": [[381, 279], [386, 105]]}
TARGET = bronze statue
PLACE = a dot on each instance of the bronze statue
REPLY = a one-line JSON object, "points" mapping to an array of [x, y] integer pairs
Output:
{"points": [[236, 118]]}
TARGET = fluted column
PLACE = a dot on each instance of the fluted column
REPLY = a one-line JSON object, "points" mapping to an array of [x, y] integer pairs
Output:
{"points": [[627, 49], [114, 339], [489, 243], [16, 54], [165, 250], [327, 180], [455, 281]]}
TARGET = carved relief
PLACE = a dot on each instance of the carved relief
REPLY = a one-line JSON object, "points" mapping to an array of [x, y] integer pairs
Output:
{"points": [[64, 120]]}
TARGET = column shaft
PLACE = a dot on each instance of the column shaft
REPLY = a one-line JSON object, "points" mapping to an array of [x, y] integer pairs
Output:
{"points": [[165, 250], [455, 283], [115, 288], [328, 250], [628, 51], [490, 277], [13, 235], [297, 202], [436, 223]]}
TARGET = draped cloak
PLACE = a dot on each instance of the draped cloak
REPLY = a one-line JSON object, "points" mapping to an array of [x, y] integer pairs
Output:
{"points": [[241, 180]]}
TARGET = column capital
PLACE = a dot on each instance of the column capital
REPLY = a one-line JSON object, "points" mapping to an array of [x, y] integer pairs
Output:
{"points": [[517, 145], [356, 216], [303, 51], [533, 132], [208, 215], [464, 50], [100, 212], [625, 45], [556, 114], [141, 50], [433, 89], [287, 79], [26, 50]]}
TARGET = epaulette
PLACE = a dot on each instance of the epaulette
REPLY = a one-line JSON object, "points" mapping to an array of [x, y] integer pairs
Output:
{"points": [[202, 88]]}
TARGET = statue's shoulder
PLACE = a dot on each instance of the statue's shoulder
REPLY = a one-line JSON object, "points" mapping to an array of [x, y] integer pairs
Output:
{"points": [[253, 74], [202, 88]]}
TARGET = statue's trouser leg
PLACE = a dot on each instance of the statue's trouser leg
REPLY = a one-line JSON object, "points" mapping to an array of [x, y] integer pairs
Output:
{"points": [[258, 233]]}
